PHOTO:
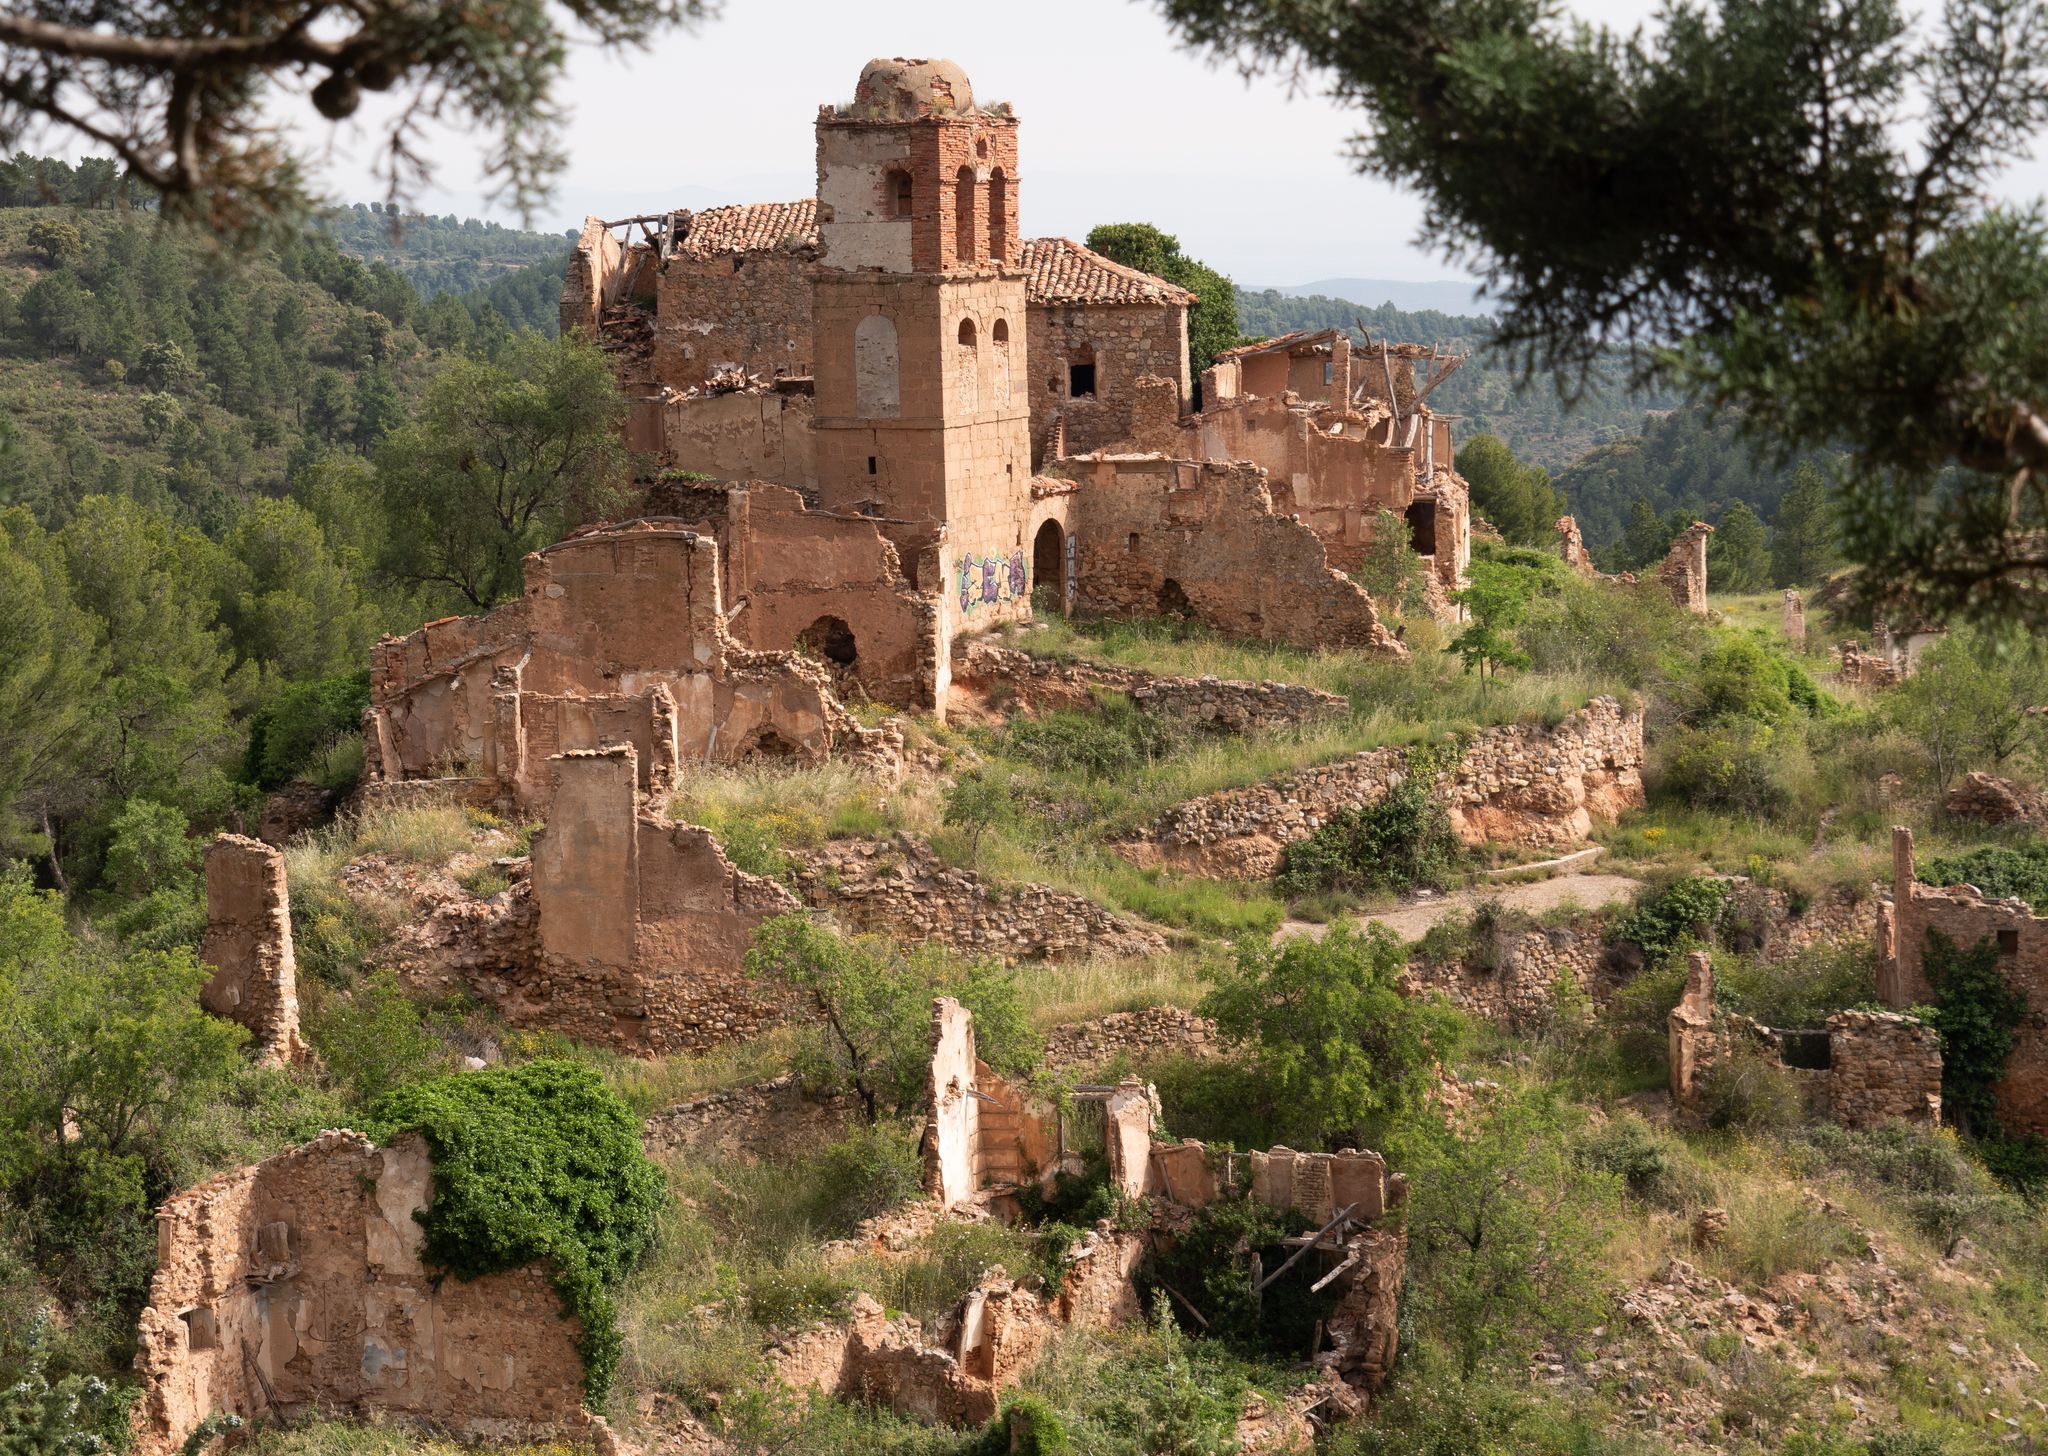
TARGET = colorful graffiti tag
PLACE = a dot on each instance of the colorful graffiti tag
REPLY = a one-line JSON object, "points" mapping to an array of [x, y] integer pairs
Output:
{"points": [[985, 581]]}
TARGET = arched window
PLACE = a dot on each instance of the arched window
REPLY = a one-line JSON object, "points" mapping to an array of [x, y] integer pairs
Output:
{"points": [[999, 364], [999, 217], [965, 233], [899, 193], [876, 393], [967, 369]]}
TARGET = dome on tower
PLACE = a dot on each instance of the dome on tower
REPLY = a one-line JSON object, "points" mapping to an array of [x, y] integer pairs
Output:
{"points": [[893, 88]]}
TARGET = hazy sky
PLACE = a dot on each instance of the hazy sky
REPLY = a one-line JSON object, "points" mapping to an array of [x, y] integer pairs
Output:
{"points": [[1118, 124]]}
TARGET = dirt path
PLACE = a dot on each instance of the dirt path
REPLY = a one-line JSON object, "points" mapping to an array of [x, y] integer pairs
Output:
{"points": [[1411, 922]]}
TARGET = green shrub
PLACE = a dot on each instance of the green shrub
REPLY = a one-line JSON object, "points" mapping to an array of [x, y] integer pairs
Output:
{"points": [[1666, 919], [288, 735], [1112, 743], [2002, 873], [1335, 1040], [1803, 990], [536, 1162], [1403, 842], [1750, 1089], [371, 1039], [869, 1171], [66, 1415], [1978, 1015], [1208, 1264], [1738, 766], [1655, 1168]]}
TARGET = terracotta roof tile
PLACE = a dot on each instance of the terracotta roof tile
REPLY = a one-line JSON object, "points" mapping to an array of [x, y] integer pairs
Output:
{"points": [[1057, 270], [750, 227], [1060, 270]]}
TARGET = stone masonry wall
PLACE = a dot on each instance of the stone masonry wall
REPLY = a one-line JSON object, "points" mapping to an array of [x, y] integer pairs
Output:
{"points": [[1161, 537], [296, 1286], [1521, 783], [1126, 343], [1684, 570], [902, 889], [1022, 682], [249, 945], [1966, 917], [1881, 1067]]}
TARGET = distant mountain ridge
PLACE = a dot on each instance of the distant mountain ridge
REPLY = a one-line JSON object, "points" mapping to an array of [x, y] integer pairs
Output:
{"points": [[1446, 295]]}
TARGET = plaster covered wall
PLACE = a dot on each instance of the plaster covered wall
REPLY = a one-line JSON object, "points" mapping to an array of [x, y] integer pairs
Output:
{"points": [[297, 1285], [643, 923], [1159, 536]]}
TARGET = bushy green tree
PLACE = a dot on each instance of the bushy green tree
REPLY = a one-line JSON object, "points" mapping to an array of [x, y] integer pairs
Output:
{"points": [[107, 1059], [1738, 558], [1505, 1229], [1496, 601], [873, 1003], [1212, 319], [1339, 1048], [290, 605], [1858, 287], [55, 238], [1517, 499], [1978, 1014], [50, 665], [1803, 545], [1972, 703], [1390, 568], [501, 458]]}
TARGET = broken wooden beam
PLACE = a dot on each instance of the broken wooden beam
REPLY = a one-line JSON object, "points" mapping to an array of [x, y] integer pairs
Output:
{"points": [[1349, 1259], [1296, 1257]]}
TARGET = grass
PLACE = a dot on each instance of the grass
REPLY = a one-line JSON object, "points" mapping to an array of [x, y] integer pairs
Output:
{"points": [[761, 812]]}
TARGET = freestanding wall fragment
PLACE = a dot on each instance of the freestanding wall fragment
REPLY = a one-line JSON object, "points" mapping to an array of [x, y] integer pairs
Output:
{"points": [[296, 1285], [249, 945]]}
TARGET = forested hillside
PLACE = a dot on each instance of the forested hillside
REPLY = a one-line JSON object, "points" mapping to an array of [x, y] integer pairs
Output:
{"points": [[441, 254], [208, 512], [1487, 393]]}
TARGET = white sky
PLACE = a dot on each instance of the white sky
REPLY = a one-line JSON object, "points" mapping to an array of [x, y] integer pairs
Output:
{"points": [[1119, 124]]}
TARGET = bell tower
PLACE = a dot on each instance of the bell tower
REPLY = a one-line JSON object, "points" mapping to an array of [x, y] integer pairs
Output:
{"points": [[921, 415]]}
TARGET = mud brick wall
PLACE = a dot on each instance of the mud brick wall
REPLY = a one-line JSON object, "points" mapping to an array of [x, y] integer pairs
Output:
{"points": [[1160, 536], [748, 310], [904, 890], [1039, 684], [643, 923], [249, 946], [1518, 784], [1883, 1066], [296, 1285]]}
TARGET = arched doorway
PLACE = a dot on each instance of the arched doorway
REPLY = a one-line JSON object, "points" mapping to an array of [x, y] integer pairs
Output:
{"points": [[1049, 567], [831, 639]]}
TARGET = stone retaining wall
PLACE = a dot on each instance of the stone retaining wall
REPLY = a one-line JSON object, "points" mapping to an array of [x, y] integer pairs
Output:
{"points": [[1517, 784], [1021, 682], [901, 888], [1140, 1036]]}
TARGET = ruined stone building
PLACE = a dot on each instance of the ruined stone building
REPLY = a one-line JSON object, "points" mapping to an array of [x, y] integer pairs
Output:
{"points": [[1863, 1069], [297, 1285], [887, 389], [1684, 570], [1968, 917], [619, 638], [248, 947]]}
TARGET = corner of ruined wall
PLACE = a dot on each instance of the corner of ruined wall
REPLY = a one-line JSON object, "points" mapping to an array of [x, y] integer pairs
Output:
{"points": [[1883, 1067], [249, 946], [591, 280]]}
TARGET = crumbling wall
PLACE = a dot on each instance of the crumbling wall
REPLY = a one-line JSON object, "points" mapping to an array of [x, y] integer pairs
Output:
{"points": [[744, 309], [1572, 545], [1880, 1067], [1124, 342], [1967, 916], [741, 434], [1015, 681], [643, 923], [592, 280], [296, 1285], [1865, 669], [249, 946], [1167, 537], [1516, 980], [1792, 617], [1517, 783], [901, 888], [1992, 800], [1684, 572], [1883, 1067], [1152, 1032], [619, 636]]}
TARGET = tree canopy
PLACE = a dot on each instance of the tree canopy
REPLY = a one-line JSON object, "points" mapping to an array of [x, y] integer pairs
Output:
{"points": [[181, 93], [1732, 195], [1212, 321]]}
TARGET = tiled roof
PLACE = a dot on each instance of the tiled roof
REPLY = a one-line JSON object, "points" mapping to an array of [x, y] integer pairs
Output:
{"points": [[750, 227], [1281, 341], [1057, 270], [1060, 270]]}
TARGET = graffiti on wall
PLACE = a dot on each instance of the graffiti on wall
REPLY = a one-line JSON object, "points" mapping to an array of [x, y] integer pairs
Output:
{"points": [[986, 581]]}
